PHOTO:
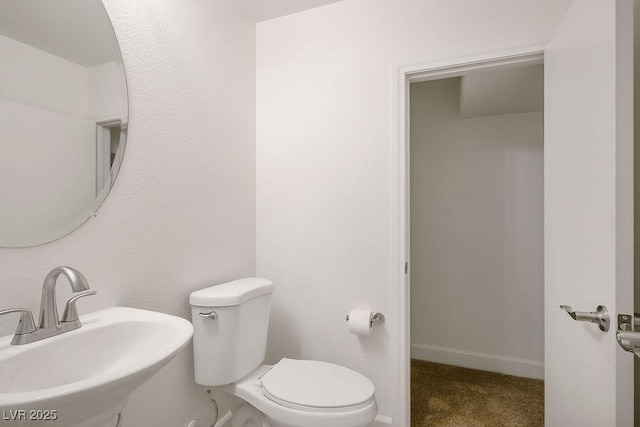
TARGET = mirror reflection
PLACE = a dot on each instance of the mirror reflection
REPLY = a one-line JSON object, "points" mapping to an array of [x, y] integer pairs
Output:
{"points": [[63, 116]]}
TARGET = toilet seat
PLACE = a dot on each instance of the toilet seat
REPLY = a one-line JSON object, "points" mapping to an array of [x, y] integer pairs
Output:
{"points": [[250, 389], [311, 385]]}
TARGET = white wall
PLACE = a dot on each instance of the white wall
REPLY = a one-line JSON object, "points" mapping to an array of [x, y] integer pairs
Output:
{"points": [[48, 111], [507, 91], [324, 159], [181, 215], [37, 78], [43, 108], [106, 91], [45, 193], [33, 77], [476, 235]]}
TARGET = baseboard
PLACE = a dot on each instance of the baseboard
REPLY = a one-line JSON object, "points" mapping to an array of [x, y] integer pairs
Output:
{"points": [[381, 421], [225, 421], [486, 362]]}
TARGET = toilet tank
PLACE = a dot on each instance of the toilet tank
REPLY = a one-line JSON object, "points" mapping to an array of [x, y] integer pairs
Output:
{"points": [[233, 344]]}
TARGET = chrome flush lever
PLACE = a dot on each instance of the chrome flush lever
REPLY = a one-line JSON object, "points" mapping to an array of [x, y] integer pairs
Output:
{"points": [[600, 316], [211, 315]]}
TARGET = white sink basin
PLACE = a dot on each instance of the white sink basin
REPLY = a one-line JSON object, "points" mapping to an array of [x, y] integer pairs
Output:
{"points": [[84, 377]]}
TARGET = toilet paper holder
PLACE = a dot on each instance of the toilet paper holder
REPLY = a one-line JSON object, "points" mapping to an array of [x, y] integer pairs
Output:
{"points": [[376, 319]]}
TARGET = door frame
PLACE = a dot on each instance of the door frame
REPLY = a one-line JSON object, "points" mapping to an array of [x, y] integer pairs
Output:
{"points": [[103, 152], [404, 75]]}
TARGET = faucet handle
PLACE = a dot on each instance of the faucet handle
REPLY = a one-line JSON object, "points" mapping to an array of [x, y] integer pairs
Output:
{"points": [[26, 325], [70, 311]]}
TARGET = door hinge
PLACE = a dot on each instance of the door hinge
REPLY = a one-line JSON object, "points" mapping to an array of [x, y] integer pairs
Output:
{"points": [[406, 267]]}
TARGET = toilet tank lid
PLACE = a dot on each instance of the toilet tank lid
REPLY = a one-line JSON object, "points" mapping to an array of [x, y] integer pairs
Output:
{"points": [[231, 293]]}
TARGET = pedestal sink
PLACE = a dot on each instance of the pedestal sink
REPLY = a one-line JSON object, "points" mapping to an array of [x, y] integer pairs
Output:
{"points": [[83, 378]]}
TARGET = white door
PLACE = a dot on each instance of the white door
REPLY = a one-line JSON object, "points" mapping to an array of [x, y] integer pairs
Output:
{"points": [[589, 212]]}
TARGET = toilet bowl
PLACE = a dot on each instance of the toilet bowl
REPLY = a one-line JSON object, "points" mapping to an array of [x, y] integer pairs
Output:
{"points": [[230, 329], [280, 402]]}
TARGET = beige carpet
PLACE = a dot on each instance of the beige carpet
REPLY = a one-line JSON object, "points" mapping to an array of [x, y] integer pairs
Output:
{"points": [[449, 396]]}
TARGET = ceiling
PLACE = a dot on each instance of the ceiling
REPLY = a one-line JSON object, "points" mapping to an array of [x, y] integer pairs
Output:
{"points": [[80, 31], [76, 30], [262, 10]]}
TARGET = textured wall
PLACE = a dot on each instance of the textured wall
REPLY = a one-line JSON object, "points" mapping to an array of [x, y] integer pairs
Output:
{"points": [[324, 159], [181, 215], [477, 275]]}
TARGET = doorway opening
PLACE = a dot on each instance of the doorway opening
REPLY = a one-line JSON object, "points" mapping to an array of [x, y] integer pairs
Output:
{"points": [[110, 137], [476, 248], [470, 229]]}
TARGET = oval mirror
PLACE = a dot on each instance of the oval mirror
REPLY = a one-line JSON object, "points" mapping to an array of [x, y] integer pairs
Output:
{"points": [[63, 116]]}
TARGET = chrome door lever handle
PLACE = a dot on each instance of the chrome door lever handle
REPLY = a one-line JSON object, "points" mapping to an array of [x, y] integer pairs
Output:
{"points": [[628, 340], [625, 335], [600, 316]]}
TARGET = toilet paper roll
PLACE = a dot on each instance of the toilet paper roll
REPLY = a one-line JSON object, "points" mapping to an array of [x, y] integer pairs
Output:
{"points": [[360, 322]]}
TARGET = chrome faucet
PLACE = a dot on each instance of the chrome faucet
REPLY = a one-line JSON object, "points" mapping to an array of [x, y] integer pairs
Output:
{"points": [[48, 306], [49, 324]]}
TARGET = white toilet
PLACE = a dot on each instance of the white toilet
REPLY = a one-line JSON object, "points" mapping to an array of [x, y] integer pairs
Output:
{"points": [[231, 321]]}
